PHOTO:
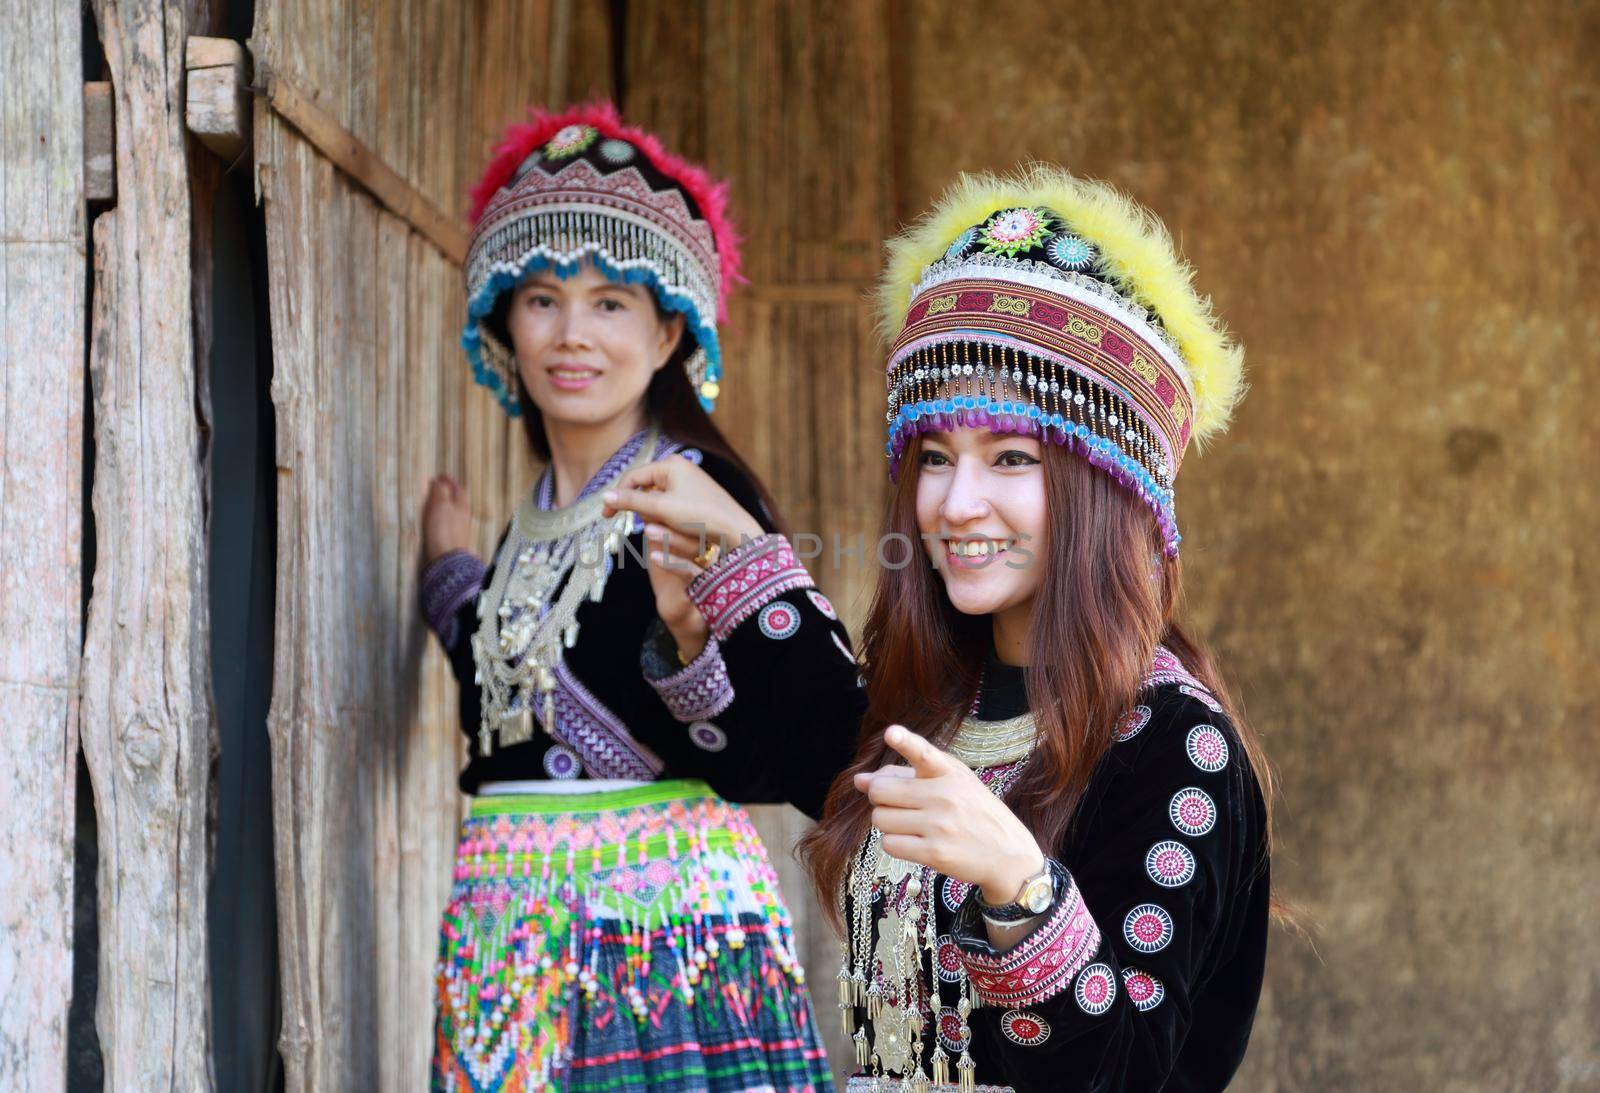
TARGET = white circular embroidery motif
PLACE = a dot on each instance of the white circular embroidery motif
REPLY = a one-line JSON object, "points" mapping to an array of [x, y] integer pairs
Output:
{"points": [[1096, 990], [562, 763], [1170, 864], [1024, 1028], [953, 1031], [1192, 811], [1144, 990], [821, 603], [707, 736], [1147, 928], [948, 960], [1208, 748], [1132, 722], [779, 620], [953, 891]]}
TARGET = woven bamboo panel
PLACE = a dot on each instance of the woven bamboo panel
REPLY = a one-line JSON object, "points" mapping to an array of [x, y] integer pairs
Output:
{"points": [[373, 397]]}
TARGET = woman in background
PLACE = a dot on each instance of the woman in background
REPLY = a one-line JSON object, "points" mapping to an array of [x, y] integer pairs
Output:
{"points": [[615, 923]]}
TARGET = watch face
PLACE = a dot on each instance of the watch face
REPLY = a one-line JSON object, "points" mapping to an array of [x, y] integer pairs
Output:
{"points": [[1038, 895]]}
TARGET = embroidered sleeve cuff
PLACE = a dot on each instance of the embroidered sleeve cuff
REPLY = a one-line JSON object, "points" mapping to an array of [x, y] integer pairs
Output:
{"points": [[1038, 968], [448, 582], [694, 693], [746, 580]]}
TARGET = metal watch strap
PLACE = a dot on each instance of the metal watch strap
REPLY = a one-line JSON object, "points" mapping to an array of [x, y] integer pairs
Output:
{"points": [[1009, 914]]}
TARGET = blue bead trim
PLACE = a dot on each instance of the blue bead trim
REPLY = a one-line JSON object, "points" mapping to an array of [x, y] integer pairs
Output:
{"points": [[1157, 496], [482, 304]]}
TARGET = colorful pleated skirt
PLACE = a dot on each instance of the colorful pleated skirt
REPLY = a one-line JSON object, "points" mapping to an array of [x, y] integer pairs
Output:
{"points": [[625, 940]]}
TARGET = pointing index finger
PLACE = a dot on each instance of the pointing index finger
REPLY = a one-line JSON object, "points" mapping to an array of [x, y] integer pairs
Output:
{"points": [[927, 760]]}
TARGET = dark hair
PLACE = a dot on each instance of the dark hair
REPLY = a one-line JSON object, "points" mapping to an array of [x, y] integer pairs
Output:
{"points": [[669, 401], [1097, 620]]}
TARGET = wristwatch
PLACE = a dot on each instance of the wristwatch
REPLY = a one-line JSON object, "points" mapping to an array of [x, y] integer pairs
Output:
{"points": [[1036, 896]]}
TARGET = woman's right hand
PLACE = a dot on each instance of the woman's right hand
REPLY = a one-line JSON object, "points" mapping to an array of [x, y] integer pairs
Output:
{"points": [[446, 518], [687, 508]]}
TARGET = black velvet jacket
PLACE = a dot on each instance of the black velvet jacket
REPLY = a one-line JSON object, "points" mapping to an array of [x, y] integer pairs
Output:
{"points": [[768, 713], [1146, 974]]}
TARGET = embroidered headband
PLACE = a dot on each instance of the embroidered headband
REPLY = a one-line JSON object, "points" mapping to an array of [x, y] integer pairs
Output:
{"points": [[581, 185], [1045, 304]]}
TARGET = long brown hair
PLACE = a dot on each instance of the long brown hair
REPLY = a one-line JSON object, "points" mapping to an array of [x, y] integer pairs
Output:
{"points": [[1098, 616]]}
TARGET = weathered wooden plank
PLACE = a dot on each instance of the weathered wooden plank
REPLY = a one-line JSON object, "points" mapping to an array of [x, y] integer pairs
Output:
{"points": [[147, 720], [41, 448], [42, 344]]}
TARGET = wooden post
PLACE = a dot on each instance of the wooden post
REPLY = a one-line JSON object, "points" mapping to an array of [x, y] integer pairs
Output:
{"points": [[147, 718], [41, 485]]}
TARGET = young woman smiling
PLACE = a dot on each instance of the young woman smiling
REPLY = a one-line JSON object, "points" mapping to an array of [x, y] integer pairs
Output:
{"points": [[615, 923], [1049, 857]]}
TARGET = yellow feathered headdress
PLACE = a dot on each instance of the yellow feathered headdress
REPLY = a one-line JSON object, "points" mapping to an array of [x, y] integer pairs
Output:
{"points": [[1137, 259]]}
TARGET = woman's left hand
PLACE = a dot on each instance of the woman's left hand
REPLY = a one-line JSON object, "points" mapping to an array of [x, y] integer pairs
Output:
{"points": [[937, 812]]}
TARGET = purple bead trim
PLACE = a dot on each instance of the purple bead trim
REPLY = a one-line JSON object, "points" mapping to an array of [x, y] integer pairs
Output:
{"points": [[448, 582], [602, 741], [545, 489], [700, 691]]}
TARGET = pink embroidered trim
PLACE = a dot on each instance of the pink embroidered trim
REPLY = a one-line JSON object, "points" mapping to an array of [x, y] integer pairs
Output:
{"points": [[700, 691], [1043, 965], [1168, 669], [746, 580]]}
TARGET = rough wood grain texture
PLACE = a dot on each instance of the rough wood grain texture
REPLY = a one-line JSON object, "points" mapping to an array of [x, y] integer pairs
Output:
{"points": [[215, 107], [41, 466], [805, 144], [146, 684], [373, 396], [1392, 549]]}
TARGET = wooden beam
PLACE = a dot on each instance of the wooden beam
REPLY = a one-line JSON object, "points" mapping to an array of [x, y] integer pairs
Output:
{"points": [[365, 167], [99, 143], [215, 107]]}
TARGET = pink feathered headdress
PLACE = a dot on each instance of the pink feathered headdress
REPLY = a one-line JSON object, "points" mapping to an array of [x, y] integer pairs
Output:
{"points": [[710, 196]]}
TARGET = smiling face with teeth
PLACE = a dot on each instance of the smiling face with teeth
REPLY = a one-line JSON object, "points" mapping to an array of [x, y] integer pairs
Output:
{"points": [[587, 347], [982, 515]]}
